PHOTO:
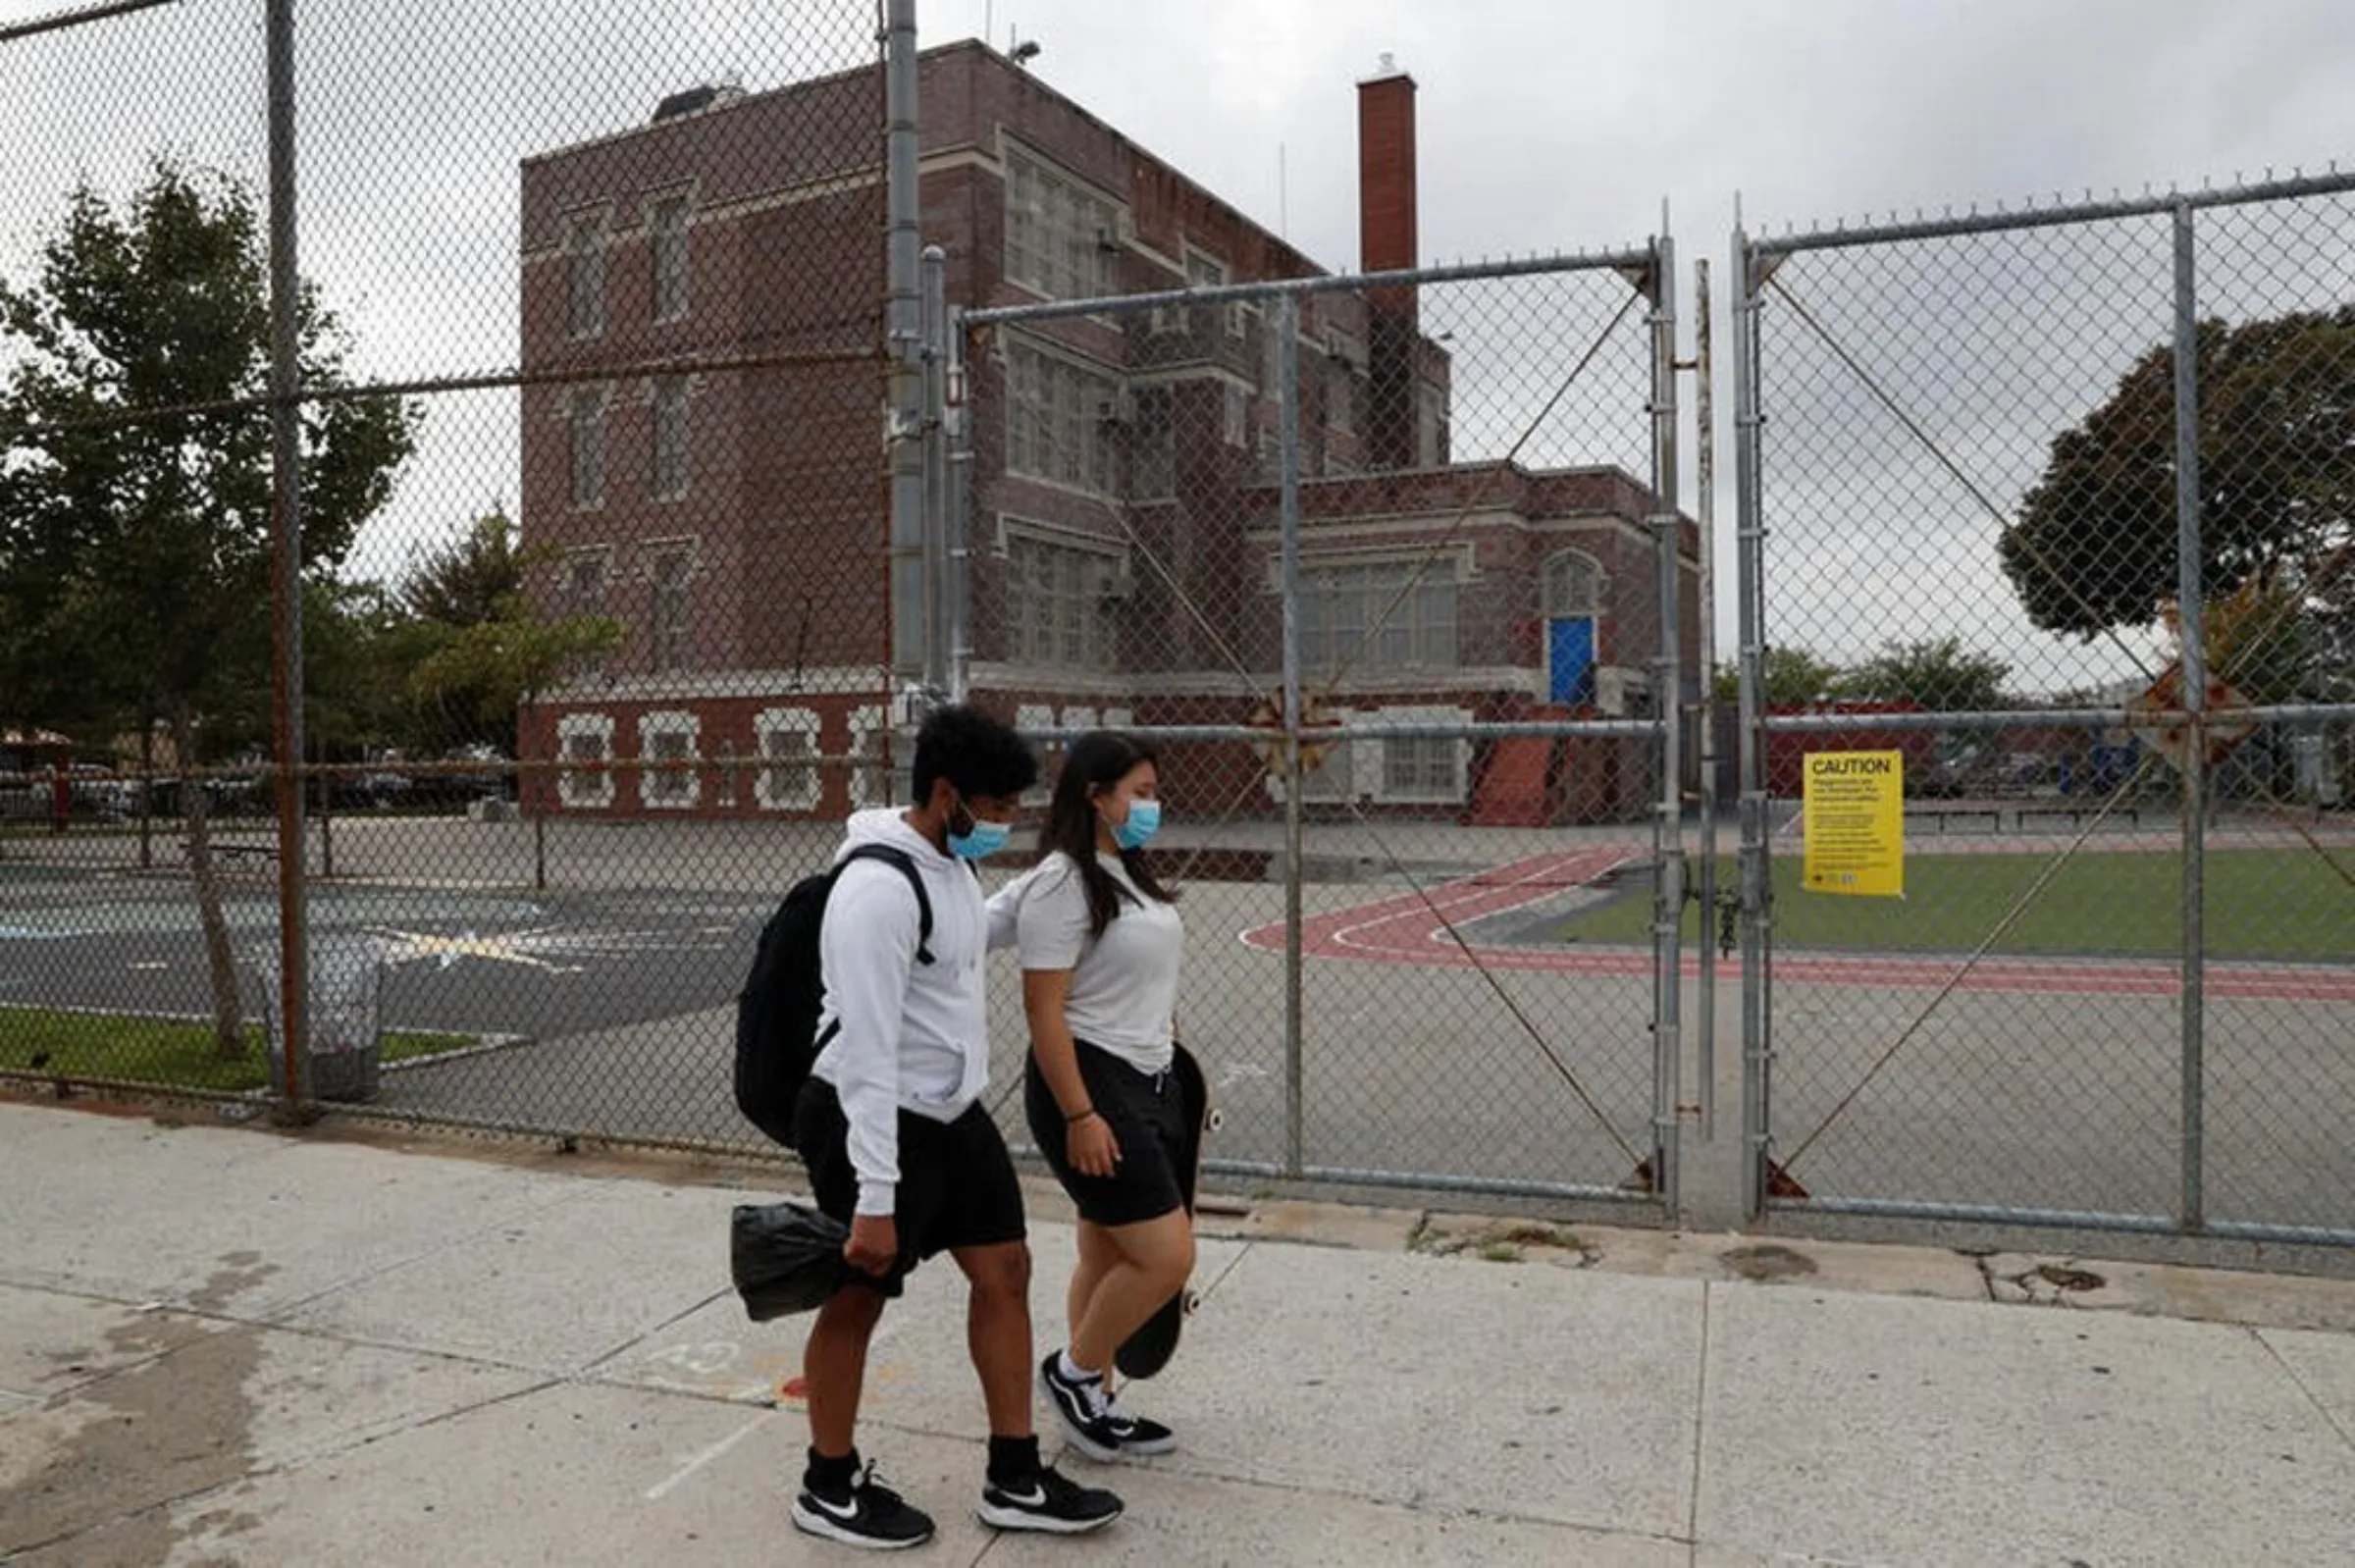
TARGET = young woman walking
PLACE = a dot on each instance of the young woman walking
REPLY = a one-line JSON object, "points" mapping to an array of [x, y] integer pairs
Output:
{"points": [[1101, 945]]}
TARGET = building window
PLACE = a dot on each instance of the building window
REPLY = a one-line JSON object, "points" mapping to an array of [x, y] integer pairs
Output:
{"points": [[668, 571], [1573, 584], [1341, 398], [586, 416], [788, 780], [667, 777], [669, 479], [1431, 769], [1235, 425], [1383, 615], [667, 226], [1059, 609], [870, 769], [1059, 420], [585, 274], [1153, 459], [1060, 237], [585, 582], [1207, 272], [584, 742], [1430, 427]]}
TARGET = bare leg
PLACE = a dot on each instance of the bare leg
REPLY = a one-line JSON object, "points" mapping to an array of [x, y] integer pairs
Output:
{"points": [[834, 1365], [1155, 1258], [1098, 1255], [997, 1330]]}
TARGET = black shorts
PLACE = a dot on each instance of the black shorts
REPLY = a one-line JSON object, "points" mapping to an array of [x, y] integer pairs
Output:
{"points": [[957, 1189], [1147, 1116]]}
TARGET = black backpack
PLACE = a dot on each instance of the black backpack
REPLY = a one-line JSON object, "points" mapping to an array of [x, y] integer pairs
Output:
{"points": [[778, 1008]]}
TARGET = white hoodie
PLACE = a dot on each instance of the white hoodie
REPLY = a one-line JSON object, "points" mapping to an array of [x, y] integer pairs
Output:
{"points": [[913, 1036]]}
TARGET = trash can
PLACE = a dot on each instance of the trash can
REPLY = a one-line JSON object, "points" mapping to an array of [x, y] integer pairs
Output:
{"points": [[346, 1017]]}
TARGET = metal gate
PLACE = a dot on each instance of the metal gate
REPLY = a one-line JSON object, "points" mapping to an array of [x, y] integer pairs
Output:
{"points": [[2055, 507], [1390, 570]]}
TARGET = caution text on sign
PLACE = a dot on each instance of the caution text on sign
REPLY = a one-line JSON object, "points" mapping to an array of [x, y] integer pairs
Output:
{"points": [[1854, 813]]}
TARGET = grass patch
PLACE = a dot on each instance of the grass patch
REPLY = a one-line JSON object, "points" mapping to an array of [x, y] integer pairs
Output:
{"points": [[171, 1052], [2260, 904]]}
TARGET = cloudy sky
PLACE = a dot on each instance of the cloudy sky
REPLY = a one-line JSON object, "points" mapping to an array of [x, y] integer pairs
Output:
{"points": [[1545, 125]]}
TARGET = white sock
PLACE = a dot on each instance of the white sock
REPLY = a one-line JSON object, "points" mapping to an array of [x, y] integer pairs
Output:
{"points": [[1072, 1371]]}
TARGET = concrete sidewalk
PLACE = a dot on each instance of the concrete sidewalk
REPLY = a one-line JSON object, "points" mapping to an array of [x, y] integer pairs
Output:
{"points": [[232, 1346]]}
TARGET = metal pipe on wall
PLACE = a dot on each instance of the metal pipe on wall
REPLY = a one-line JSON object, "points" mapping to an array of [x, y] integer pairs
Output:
{"points": [[903, 326], [933, 444]]}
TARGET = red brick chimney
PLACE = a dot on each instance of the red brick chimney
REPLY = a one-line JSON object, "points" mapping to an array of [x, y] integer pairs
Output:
{"points": [[1385, 170], [1386, 242]]}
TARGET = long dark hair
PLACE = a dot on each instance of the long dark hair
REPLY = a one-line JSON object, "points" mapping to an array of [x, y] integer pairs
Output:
{"points": [[1097, 760]]}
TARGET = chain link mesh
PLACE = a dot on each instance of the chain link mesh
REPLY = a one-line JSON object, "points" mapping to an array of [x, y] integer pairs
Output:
{"points": [[1967, 460], [1472, 526], [603, 636], [594, 524]]}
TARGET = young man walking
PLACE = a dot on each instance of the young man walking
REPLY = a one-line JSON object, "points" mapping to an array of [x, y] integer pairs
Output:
{"points": [[899, 1146]]}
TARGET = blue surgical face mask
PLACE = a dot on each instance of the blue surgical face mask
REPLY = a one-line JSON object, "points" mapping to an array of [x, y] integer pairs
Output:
{"points": [[980, 839], [1144, 820]]}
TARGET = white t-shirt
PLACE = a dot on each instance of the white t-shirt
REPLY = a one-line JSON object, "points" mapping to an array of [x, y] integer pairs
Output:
{"points": [[1125, 982]]}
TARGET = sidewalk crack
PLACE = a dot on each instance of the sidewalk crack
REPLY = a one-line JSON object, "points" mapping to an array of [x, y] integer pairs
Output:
{"points": [[2291, 1373]]}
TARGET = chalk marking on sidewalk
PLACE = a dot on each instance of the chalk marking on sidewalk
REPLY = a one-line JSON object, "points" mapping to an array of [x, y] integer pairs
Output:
{"points": [[657, 1491]]}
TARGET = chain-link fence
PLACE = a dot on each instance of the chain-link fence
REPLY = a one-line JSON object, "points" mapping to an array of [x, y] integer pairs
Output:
{"points": [[694, 398], [577, 318], [1418, 513], [2055, 506], [648, 493]]}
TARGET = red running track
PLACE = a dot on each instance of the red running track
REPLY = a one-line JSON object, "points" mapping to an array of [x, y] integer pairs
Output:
{"points": [[1412, 928]]}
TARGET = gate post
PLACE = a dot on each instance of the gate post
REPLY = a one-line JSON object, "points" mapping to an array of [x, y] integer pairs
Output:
{"points": [[1756, 908], [1669, 714]]}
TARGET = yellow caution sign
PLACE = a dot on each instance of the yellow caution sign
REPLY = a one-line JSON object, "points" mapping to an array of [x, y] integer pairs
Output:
{"points": [[1854, 813]]}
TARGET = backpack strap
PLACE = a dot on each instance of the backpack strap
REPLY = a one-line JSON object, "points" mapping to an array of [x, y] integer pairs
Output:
{"points": [[915, 879]]}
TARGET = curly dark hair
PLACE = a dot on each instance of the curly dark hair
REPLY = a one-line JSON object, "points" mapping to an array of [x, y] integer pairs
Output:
{"points": [[1098, 761], [975, 752]]}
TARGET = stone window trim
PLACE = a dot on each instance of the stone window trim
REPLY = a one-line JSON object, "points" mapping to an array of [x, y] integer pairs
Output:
{"points": [[586, 236], [579, 787], [1563, 566], [584, 410], [768, 792], [670, 472], [670, 253], [670, 778]]}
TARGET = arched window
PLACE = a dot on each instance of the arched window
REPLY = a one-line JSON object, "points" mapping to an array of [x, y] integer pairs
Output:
{"points": [[1573, 584]]}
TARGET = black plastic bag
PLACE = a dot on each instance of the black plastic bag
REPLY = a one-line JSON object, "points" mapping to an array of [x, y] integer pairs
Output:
{"points": [[785, 1258]]}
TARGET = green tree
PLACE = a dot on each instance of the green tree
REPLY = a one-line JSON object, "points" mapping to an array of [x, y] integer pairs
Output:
{"points": [[1795, 678], [476, 647], [135, 540], [1938, 674], [2095, 545]]}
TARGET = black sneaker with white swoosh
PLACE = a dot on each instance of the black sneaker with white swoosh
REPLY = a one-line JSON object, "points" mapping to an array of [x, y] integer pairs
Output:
{"points": [[1047, 1500], [866, 1514]]}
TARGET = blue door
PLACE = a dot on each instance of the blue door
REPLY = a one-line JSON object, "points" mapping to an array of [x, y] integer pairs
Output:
{"points": [[1570, 659]]}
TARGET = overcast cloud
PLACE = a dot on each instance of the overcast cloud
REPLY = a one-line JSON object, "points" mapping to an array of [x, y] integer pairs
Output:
{"points": [[1544, 126]]}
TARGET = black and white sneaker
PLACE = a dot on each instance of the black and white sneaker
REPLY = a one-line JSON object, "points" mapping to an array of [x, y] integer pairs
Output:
{"points": [[1047, 1500], [1080, 1404], [867, 1513], [1136, 1434]]}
